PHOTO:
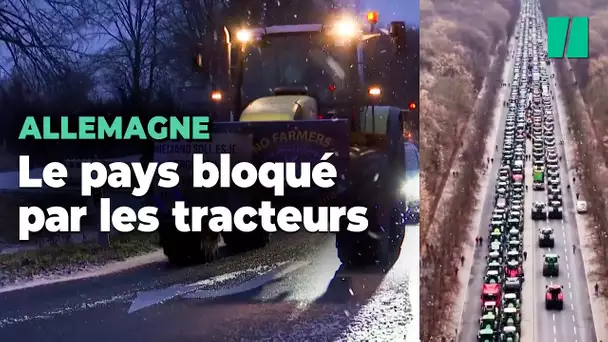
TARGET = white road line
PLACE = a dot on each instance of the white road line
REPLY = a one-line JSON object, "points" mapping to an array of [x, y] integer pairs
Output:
{"points": [[553, 317], [570, 295], [568, 275], [572, 307], [554, 330], [569, 285], [574, 330]]}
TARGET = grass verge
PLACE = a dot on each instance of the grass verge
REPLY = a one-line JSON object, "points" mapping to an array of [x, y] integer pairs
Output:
{"points": [[65, 260]]}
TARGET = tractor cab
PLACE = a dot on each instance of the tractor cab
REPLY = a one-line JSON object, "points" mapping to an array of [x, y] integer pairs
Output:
{"points": [[497, 224], [512, 285], [514, 256], [486, 335], [514, 245], [511, 300], [514, 222], [514, 233], [496, 246], [514, 269], [496, 236], [490, 306], [509, 334], [551, 265], [492, 277], [511, 317], [493, 266], [305, 72], [494, 257], [490, 294], [488, 320]]}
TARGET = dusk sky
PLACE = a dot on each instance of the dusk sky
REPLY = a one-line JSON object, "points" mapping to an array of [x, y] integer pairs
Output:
{"points": [[389, 10]]}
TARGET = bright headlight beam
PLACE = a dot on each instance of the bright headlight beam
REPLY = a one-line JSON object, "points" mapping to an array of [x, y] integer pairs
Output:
{"points": [[411, 188], [346, 28], [243, 36]]}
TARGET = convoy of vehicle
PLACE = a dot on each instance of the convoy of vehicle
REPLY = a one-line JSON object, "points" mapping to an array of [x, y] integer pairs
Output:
{"points": [[529, 118]]}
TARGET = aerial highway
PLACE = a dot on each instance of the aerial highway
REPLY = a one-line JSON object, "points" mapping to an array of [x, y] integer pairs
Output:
{"points": [[528, 213]]}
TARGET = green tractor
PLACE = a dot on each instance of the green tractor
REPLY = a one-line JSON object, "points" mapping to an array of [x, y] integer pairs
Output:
{"points": [[514, 222], [493, 266], [486, 334], [514, 234], [509, 334], [496, 236], [550, 265], [511, 300], [488, 320], [511, 317], [497, 225], [492, 277], [515, 245], [496, 246], [514, 256], [494, 257]]}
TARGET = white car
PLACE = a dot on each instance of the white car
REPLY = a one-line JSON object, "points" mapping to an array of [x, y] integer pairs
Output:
{"points": [[581, 207]]}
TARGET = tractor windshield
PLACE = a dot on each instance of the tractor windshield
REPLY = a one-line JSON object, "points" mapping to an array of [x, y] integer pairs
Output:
{"points": [[302, 59]]}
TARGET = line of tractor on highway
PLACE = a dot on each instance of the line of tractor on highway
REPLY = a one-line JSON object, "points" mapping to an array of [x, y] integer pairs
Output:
{"points": [[529, 117]]}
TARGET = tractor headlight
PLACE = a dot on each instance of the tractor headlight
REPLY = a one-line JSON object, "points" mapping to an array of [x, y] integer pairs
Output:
{"points": [[346, 28], [411, 188]]}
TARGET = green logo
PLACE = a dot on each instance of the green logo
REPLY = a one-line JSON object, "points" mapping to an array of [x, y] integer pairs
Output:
{"points": [[577, 41]]}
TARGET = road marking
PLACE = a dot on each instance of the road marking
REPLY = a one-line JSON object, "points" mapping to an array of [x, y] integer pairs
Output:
{"points": [[570, 295], [248, 285], [568, 274], [553, 317], [569, 285], [572, 307], [574, 330], [146, 299], [554, 330]]}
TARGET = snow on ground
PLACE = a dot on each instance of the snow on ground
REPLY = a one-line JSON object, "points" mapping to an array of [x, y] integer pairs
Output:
{"points": [[91, 272], [599, 306]]}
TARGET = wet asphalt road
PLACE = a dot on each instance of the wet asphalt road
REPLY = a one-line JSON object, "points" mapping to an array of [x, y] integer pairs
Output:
{"points": [[305, 294]]}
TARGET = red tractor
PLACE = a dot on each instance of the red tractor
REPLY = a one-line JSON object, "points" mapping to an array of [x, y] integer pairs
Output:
{"points": [[514, 270], [490, 293], [554, 297]]}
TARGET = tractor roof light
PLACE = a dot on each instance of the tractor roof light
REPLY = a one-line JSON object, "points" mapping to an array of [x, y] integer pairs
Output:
{"points": [[372, 17]]}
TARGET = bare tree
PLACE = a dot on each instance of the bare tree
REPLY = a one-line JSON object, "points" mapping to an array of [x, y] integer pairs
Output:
{"points": [[129, 33], [41, 37]]}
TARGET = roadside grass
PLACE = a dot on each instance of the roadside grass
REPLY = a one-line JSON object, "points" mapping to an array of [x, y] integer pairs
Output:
{"points": [[66, 259]]}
